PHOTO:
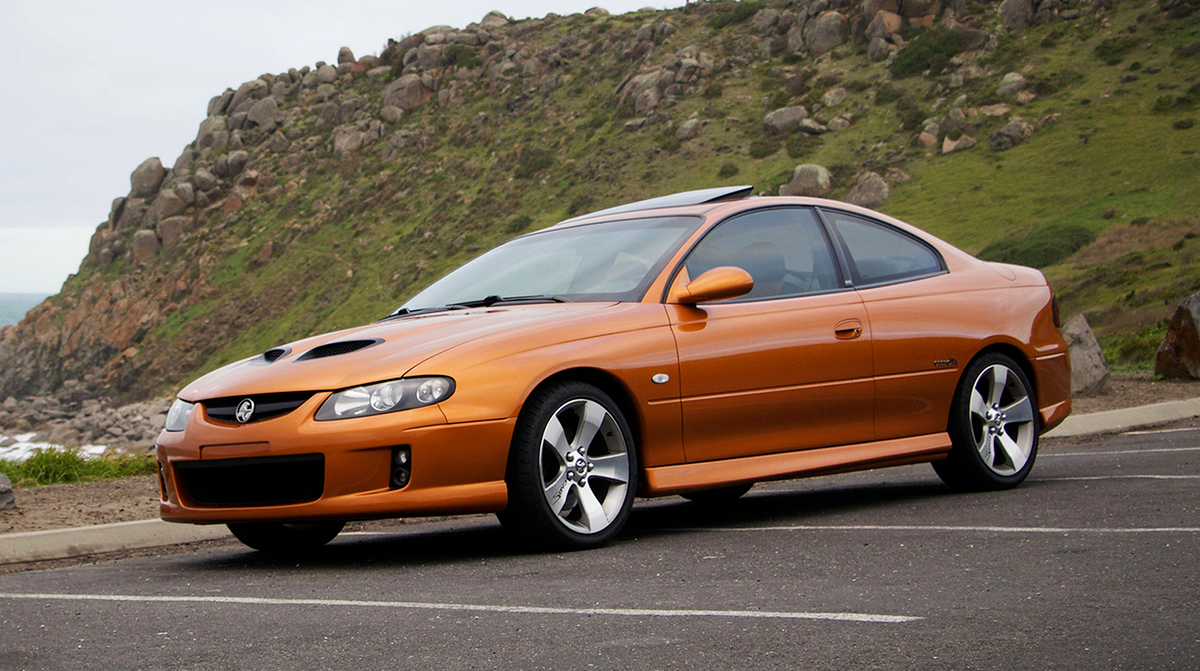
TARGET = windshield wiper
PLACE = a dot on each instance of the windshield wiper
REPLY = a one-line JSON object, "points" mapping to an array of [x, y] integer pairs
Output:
{"points": [[495, 300], [477, 303], [405, 312]]}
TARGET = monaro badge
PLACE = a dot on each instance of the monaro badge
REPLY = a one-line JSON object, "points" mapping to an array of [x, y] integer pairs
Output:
{"points": [[245, 411]]}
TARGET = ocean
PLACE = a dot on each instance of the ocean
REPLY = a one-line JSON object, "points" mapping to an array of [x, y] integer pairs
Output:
{"points": [[14, 306]]}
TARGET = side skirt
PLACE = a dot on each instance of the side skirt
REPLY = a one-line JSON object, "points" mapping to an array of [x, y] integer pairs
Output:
{"points": [[666, 480]]}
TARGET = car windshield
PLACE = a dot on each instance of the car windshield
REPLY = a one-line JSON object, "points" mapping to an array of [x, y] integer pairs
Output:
{"points": [[614, 261]]}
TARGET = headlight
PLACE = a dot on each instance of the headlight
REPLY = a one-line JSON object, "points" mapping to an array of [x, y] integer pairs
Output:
{"points": [[179, 414], [377, 399]]}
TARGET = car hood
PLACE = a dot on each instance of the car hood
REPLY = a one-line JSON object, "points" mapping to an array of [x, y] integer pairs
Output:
{"points": [[401, 344]]}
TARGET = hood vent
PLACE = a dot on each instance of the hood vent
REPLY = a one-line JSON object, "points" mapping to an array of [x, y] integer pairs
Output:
{"points": [[338, 348], [270, 356]]}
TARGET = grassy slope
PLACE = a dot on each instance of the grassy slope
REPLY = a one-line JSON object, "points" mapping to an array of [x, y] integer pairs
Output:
{"points": [[358, 235]]}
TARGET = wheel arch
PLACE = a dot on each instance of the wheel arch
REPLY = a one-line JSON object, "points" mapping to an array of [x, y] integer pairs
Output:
{"points": [[1013, 352], [604, 381]]}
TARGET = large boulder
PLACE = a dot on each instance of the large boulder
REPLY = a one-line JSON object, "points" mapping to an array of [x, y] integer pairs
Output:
{"points": [[8, 500], [808, 180], [870, 7], [1013, 82], [884, 25], [963, 143], [1011, 134], [915, 9], [870, 191], [146, 179], [784, 119], [170, 230], [1016, 15], [1179, 354], [345, 55], [494, 19], [265, 113], [1089, 372], [145, 245], [825, 33], [247, 94], [407, 93]]}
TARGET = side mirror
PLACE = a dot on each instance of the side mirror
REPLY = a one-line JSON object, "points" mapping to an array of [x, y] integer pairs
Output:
{"points": [[717, 284]]}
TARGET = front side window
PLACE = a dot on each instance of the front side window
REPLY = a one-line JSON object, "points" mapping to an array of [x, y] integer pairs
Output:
{"points": [[880, 254], [595, 262], [783, 249]]}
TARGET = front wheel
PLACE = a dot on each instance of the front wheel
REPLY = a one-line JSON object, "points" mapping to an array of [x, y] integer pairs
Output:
{"points": [[284, 538], [571, 469], [993, 425]]}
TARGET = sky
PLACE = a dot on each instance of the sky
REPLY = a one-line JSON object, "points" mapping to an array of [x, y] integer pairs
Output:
{"points": [[94, 88]]}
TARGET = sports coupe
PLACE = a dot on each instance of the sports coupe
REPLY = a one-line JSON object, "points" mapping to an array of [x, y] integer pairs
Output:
{"points": [[690, 345]]}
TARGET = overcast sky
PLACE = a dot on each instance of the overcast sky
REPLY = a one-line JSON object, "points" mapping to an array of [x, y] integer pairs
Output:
{"points": [[94, 88]]}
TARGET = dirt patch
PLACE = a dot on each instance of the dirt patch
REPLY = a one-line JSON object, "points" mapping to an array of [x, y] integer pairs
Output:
{"points": [[1130, 390], [82, 504]]}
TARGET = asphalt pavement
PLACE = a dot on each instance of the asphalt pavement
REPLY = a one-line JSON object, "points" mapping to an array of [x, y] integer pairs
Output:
{"points": [[1090, 564]]}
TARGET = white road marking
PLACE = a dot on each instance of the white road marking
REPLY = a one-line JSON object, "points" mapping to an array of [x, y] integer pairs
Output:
{"points": [[943, 527], [1146, 433], [1049, 455], [477, 608], [1121, 477]]}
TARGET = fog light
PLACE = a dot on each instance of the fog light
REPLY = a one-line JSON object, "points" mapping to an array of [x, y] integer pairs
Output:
{"points": [[401, 467]]}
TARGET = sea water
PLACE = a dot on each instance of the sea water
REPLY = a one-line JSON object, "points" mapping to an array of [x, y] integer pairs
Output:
{"points": [[14, 306]]}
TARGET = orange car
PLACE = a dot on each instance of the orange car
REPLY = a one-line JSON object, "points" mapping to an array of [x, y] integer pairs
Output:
{"points": [[693, 344]]}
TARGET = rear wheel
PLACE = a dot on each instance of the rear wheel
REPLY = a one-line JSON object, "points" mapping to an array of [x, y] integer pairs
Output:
{"points": [[571, 469], [994, 427], [286, 538], [719, 495]]}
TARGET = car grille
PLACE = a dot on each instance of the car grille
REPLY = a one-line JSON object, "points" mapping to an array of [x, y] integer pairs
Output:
{"points": [[254, 481], [266, 406]]}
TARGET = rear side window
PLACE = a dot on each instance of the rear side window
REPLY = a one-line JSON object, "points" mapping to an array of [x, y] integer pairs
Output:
{"points": [[880, 254]]}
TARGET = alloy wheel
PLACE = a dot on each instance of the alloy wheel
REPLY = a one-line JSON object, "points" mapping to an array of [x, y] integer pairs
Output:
{"points": [[1002, 419], [584, 462]]}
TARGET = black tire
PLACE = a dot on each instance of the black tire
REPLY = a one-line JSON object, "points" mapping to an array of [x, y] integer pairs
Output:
{"points": [[532, 463], [966, 468], [719, 495], [285, 538]]}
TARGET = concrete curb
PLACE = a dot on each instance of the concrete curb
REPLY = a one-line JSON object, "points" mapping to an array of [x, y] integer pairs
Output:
{"points": [[65, 543], [1126, 418]]}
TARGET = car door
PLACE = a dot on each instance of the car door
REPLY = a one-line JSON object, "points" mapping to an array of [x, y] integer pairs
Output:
{"points": [[787, 366], [915, 316]]}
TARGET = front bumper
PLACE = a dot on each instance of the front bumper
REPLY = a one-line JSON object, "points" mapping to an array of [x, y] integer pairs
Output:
{"points": [[456, 468]]}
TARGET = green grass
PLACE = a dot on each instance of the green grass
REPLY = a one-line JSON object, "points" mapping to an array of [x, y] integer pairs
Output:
{"points": [[57, 467]]}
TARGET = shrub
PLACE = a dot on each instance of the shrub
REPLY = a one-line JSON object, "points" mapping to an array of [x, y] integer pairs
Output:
{"points": [[532, 161], [713, 91], [762, 147], [887, 94], [728, 169], [931, 50], [1183, 124], [1113, 49], [460, 54], [520, 223], [801, 145], [1040, 248], [741, 12]]}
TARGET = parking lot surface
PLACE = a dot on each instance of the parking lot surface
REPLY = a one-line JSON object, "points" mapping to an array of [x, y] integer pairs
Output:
{"points": [[1090, 564]]}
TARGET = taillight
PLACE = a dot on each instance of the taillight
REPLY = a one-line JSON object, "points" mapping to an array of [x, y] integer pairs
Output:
{"points": [[1054, 311]]}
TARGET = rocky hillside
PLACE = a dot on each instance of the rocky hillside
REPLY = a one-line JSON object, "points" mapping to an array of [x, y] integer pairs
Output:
{"points": [[1056, 133]]}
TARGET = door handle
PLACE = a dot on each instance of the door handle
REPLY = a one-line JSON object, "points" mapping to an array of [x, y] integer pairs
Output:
{"points": [[848, 329]]}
